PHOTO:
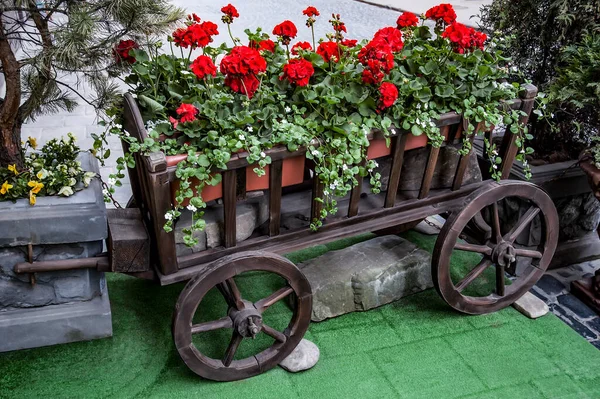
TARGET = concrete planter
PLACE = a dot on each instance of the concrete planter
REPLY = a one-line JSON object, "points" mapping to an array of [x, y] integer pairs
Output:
{"points": [[59, 307], [578, 210]]}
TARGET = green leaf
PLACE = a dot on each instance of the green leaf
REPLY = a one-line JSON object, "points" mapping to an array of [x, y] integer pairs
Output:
{"points": [[151, 104]]}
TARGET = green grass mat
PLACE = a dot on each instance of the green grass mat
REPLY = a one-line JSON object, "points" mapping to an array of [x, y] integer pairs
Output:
{"points": [[414, 348]]}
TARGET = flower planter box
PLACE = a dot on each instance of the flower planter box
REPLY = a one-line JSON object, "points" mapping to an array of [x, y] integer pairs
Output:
{"points": [[378, 148], [292, 170]]}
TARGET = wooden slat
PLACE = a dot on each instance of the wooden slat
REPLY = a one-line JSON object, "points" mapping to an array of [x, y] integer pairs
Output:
{"points": [[317, 192], [463, 162], [355, 195], [160, 204], [275, 176], [229, 209], [396, 169]]}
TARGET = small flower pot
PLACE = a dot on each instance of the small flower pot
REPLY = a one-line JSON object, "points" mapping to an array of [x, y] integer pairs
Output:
{"points": [[378, 148], [292, 171]]}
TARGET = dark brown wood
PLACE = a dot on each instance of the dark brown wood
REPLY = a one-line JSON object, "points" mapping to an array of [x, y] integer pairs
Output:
{"points": [[430, 169], [275, 176], [128, 241], [229, 207], [317, 192], [498, 250], [463, 162], [588, 291], [355, 195], [396, 168], [99, 262], [246, 321]]}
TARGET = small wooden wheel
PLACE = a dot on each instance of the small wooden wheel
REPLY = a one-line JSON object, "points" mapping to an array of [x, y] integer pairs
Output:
{"points": [[244, 320], [487, 248]]}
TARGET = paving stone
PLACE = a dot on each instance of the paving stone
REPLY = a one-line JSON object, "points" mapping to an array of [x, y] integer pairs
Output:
{"points": [[581, 329], [303, 357], [576, 306], [531, 306], [551, 285]]}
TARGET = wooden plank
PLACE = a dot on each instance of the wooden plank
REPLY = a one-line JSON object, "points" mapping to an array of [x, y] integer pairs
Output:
{"points": [[128, 242], [463, 162], [317, 192], [355, 195], [430, 169], [275, 176], [229, 209], [396, 169]]}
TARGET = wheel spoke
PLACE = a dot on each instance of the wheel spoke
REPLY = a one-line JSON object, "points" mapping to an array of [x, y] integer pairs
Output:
{"points": [[473, 274], [222, 287], [225, 322], [523, 222], [496, 222], [528, 253], [235, 293], [271, 332], [278, 295], [481, 249], [500, 283], [236, 340]]}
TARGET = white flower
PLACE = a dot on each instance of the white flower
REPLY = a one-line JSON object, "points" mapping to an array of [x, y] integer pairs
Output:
{"points": [[87, 178], [184, 72], [42, 174], [315, 153], [242, 137], [112, 181], [288, 109], [262, 154], [250, 129], [333, 185], [393, 130], [426, 105], [192, 208], [168, 216], [375, 164], [370, 170], [419, 106], [514, 69], [126, 133], [418, 121], [495, 166], [66, 191], [325, 192], [344, 167], [552, 115], [105, 192], [495, 84]]}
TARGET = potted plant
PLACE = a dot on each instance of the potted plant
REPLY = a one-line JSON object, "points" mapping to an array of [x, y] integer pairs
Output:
{"points": [[533, 34], [51, 204], [334, 99]]}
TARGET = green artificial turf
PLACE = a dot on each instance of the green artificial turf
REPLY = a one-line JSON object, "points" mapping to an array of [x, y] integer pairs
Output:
{"points": [[414, 348]]}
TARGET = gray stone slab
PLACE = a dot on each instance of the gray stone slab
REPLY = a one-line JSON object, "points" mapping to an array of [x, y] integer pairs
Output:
{"points": [[56, 324], [56, 220], [531, 306], [366, 275], [303, 357]]}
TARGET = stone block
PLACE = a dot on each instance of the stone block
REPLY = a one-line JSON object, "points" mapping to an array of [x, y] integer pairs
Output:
{"points": [[366, 275]]}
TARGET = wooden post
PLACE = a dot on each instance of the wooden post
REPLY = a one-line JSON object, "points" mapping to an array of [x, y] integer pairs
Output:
{"points": [[275, 175], [229, 206], [396, 168], [464, 159]]}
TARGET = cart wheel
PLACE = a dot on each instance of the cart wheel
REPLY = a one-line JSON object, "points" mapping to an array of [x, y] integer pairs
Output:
{"points": [[244, 319], [480, 285]]}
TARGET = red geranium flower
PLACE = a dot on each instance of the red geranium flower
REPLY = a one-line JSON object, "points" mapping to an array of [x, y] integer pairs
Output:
{"points": [[286, 30], [298, 71], [407, 19], [374, 72], [311, 12], [195, 35], [173, 121], [243, 60], [202, 66], [349, 42], [193, 17], [122, 49], [464, 38], [330, 51], [340, 27], [377, 49], [230, 11], [443, 12], [478, 39], [389, 95], [267, 45], [243, 84], [187, 113], [392, 36], [301, 46], [210, 28]]}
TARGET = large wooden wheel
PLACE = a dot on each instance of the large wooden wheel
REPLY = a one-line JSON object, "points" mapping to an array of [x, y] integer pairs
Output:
{"points": [[244, 319], [488, 251]]}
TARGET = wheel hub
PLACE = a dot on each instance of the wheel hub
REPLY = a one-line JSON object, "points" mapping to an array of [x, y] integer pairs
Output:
{"points": [[247, 322], [504, 254]]}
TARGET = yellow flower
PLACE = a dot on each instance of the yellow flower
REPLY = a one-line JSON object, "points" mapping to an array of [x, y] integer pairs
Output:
{"points": [[35, 186], [13, 168], [42, 174], [5, 187], [31, 198], [32, 142]]}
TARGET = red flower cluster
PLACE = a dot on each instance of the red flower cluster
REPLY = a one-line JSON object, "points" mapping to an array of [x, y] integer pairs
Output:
{"points": [[406, 20], [202, 66], [340, 27], [330, 51], [241, 67], [464, 38], [187, 113], [298, 71], [286, 30], [311, 12], [263, 45], [196, 34], [378, 58], [230, 12], [443, 12], [392, 36], [122, 49], [349, 42], [389, 95], [301, 46]]}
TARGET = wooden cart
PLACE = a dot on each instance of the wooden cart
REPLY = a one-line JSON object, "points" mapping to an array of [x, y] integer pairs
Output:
{"points": [[473, 224]]}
